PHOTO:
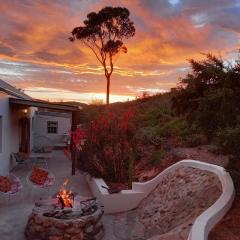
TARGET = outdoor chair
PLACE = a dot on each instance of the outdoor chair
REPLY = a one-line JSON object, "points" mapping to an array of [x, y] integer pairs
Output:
{"points": [[20, 159], [45, 184], [15, 187]]}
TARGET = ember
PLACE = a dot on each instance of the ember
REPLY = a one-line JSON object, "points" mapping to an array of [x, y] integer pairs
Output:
{"points": [[65, 197]]}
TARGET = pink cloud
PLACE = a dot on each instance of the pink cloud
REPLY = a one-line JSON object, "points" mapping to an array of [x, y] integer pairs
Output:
{"points": [[36, 33]]}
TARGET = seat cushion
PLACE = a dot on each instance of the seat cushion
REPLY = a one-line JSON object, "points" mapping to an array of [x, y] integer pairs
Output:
{"points": [[5, 184], [39, 176]]}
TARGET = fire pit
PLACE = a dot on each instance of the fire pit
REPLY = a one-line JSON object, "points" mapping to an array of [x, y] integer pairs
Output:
{"points": [[65, 216]]}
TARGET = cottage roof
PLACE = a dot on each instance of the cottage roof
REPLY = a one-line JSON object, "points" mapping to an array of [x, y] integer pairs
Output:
{"points": [[10, 90], [19, 98], [43, 104]]}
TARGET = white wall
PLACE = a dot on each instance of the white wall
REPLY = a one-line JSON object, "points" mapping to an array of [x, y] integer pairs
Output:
{"points": [[32, 117], [10, 132], [210, 217], [40, 135], [130, 199]]}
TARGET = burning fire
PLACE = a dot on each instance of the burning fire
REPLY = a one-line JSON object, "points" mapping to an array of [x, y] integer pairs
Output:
{"points": [[65, 197]]}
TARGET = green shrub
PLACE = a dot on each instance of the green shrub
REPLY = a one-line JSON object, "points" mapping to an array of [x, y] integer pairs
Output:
{"points": [[145, 134], [209, 96], [228, 140], [175, 127], [195, 140], [152, 116], [157, 157]]}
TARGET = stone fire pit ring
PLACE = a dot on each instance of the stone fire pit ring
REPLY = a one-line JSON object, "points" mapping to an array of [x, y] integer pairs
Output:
{"points": [[73, 227]]}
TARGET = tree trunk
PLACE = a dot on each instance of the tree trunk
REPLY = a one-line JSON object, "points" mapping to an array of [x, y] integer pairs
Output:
{"points": [[73, 150], [108, 90]]}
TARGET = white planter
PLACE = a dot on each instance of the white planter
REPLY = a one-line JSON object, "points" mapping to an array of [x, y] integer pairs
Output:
{"points": [[118, 202], [130, 199], [209, 218]]}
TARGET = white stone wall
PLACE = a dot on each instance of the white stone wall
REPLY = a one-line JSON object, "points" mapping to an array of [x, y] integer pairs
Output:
{"points": [[180, 197], [130, 199], [42, 137], [209, 218]]}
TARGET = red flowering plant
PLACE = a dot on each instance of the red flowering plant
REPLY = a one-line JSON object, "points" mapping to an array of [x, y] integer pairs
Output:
{"points": [[108, 151], [77, 138]]}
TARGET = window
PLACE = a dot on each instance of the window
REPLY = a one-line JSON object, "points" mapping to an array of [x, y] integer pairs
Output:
{"points": [[1, 133], [52, 127]]}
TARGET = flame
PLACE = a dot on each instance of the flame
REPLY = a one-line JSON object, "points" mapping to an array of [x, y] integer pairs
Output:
{"points": [[65, 196]]}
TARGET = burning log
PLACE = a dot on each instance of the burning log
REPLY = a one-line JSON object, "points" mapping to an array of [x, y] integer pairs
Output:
{"points": [[65, 197], [60, 206], [61, 201]]}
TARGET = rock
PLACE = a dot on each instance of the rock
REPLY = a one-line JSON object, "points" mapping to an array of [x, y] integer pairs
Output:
{"points": [[55, 238], [95, 217], [80, 223], [77, 237], [38, 219], [67, 236], [38, 228], [99, 235], [54, 225], [73, 230], [47, 223], [89, 229], [53, 231], [61, 225]]}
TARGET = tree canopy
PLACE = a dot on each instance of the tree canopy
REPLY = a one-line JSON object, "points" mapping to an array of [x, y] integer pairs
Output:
{"points": [[209, 96], [103, 32]]}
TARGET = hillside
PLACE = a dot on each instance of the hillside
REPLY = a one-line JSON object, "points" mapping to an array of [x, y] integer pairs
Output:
{"points": [[162, 138], [73, 103]]}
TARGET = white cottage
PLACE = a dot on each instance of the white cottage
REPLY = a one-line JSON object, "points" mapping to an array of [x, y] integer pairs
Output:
{"points": [[17, 113], [51, 129]]}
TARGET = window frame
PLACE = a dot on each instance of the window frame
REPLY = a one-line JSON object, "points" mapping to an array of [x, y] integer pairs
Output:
{"points": [[50, 129]]}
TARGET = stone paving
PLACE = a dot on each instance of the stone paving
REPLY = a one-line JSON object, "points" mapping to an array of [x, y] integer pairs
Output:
{"points": [[170, 210], [166, 214], [14, 214]]}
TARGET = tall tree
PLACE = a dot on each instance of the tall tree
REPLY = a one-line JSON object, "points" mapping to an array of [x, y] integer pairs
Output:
{"points": [[103, 32], [209, 96]]}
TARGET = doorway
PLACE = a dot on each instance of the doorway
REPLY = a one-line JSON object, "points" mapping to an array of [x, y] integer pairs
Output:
{"points": [[24, 124]]}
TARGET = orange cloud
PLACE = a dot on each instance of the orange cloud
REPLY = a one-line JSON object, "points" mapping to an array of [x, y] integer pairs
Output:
{"points": [[35, 51]]}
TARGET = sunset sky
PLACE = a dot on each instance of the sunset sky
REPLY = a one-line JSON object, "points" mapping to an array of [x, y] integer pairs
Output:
{"points": [[36, 55]]}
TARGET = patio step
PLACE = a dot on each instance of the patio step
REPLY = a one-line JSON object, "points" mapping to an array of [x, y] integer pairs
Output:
{"points": [[59, 146]]}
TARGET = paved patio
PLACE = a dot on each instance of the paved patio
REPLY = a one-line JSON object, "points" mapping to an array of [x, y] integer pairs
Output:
{"points": [[14, 215], [122, 226]]}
